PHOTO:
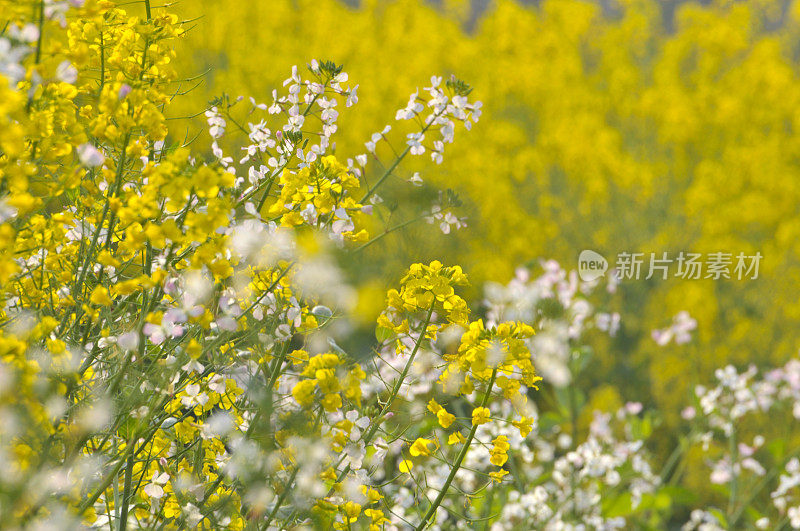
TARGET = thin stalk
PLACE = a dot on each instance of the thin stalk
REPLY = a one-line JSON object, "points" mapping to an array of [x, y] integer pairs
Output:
{"points": [[396, 163], [282, 498], [734, 451], [126, 494], [385, 232], [401, 379], [457, 464], [395, 390]]}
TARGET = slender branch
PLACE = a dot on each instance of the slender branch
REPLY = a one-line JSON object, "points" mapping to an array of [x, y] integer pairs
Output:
{"points": [[457, 464], [126, 494], [397, 161]]}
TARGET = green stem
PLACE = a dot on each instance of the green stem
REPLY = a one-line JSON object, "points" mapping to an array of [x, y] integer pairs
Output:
{"points": [[462, 454], [41, 32], [384, 233], [734, 451], [395, 390], [282, 498], [126, 494], [401, 379], [396, 163]]}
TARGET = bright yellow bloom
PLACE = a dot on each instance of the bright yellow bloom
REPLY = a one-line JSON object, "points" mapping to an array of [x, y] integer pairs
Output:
{"points": [[499, 451], [524, 425], [456, 437], [420, 447], [498, 475], [480, 415], [445, 419], [100, 296], [303, 392]]}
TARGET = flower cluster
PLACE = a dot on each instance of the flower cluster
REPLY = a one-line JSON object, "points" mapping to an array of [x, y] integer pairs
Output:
{"points": [[321, 194], [167, 325]]}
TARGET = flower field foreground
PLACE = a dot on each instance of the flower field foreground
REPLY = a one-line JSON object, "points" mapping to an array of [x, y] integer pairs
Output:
{"points": [[170, 326]]}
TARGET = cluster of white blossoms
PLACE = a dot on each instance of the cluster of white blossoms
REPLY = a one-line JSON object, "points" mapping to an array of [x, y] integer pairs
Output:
{"points": [[578, 480], [271, 150], [15, 46], [531, 300], [679, 331], [443, 111], [737, 457]]}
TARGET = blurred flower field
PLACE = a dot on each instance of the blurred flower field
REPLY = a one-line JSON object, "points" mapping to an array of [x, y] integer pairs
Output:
{"points": [[315, 265]]}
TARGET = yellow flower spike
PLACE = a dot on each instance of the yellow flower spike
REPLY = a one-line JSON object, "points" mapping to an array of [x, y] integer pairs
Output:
{"points": [[303, 392], [331, 402]]}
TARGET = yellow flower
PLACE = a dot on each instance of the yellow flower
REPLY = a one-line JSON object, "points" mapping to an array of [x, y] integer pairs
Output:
{"points": [[480, 415], [524, 425], [434, 406], [100, 297], [303, 392], [405, 466], [420, 447], [331, 402], [351, 511], [456, 437], [499, 451], [498, 476], [445, 419]]}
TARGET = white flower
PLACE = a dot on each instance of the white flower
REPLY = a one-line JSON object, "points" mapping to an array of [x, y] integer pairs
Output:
{"points": [[128, 341], [193, 396], [329, 113], [294, 78], [193, 515], [352, 97], [412, 109], [28, 33], [154, 489], [66, 72], [216, 123], [415, 141], [794, 517], [90, 156], [295, 121]]}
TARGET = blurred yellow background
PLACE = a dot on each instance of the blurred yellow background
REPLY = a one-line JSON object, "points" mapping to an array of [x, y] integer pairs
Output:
{"points": [[635, 125]]}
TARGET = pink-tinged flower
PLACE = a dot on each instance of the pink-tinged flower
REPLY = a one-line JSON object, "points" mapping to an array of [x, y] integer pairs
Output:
{"points": [[124, 90], [90, 156]]}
